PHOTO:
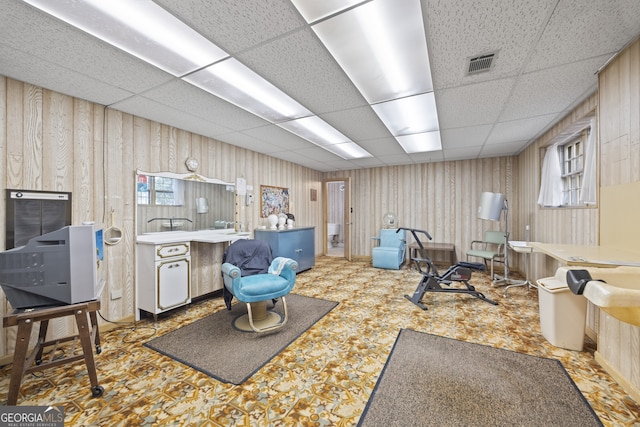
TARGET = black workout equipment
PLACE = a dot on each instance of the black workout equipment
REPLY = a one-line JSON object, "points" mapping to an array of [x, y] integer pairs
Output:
{"points": [[432, 281]]}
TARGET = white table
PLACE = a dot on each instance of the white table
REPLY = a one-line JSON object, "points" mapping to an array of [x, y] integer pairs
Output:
{"points": [[527, 249]]}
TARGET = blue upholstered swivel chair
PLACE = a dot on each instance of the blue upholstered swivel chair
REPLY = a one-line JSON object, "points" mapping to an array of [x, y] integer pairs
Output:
{"points": [[390, 253], [253, 277]]}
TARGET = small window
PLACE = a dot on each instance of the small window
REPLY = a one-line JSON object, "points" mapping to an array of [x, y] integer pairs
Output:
{"points": [[572, 158], [160, 191], [568, 173]]}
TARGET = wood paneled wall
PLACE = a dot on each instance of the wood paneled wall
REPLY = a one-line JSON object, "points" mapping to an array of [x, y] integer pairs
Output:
{"points": [[619, 118], [441, 198], [576, 226], [51, 141]]}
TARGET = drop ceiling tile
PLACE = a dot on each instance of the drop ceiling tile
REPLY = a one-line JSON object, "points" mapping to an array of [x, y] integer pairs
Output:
{"points": [[360, 123], [318, 166], [552, 90], [317, 153], [278, 137], [428, 157], [461, 153], [340, 165], [580, 29], [314, 11], [519, 130], [186, 97], [369, 162], [505, 149], [49, 40], [271, 37], [249, 142], [27, 68], [382, 147], [323, 166], [459, 30], [292, 156], [397, 159], [460, 138], [471, 105], [237, 25], [161, 113], [301, 67]]}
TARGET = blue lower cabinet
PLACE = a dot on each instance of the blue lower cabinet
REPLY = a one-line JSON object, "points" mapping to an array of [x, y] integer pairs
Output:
{"points": [[295, 243]]}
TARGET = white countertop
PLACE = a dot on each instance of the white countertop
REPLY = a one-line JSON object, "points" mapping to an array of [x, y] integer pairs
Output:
{"points": [[521, 246], [594, 256], [202, 236], [284, 230]]}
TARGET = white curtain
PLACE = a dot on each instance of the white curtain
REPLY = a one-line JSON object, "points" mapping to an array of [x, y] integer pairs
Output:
{"points": [[551, 185], [588, 190]]}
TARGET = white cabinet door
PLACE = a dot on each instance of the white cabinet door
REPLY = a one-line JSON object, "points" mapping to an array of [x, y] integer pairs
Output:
{"points": [[173, 283]]}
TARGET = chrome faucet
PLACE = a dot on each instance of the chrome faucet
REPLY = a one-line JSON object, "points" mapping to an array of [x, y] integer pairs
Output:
{"points": [[232, 224], [170, 221]]}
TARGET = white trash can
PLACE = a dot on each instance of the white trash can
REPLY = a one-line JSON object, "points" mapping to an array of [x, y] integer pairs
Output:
{"points": [[563, 314]]}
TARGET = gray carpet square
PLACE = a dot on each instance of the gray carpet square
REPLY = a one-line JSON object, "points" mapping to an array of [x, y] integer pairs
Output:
{"points": [[213, 346], [432, 380]]}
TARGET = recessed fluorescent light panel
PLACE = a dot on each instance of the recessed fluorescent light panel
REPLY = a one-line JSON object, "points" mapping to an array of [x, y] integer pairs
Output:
{"points": [[382, 47], [141, 28], [313, 11], [414, 114], [234, 82], [420, 142], [150, 33], [147, 31], [315, 130], [348, 150], [322, 134]]}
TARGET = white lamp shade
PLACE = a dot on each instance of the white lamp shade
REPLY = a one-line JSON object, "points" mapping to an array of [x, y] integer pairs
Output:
{"points": [[491, 205], [202, 206]]}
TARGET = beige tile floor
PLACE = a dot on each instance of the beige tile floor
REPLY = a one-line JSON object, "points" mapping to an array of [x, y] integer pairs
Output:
{"points": [[326, 376]]}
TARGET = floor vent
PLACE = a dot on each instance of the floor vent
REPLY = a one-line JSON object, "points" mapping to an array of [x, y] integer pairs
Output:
{"points": [[480, 64]]}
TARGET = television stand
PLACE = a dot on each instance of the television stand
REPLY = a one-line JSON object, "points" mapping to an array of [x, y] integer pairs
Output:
{"points": [[23, 363]]}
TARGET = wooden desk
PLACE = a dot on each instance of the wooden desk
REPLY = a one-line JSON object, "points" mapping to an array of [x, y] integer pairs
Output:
{"points": [[23, 362], [414, 248]]}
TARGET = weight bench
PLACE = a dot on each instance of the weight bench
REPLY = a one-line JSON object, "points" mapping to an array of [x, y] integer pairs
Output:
{"points": [[432, 281]]}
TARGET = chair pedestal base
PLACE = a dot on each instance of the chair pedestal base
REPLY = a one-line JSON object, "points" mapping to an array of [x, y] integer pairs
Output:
{"points": [[259, 319]]}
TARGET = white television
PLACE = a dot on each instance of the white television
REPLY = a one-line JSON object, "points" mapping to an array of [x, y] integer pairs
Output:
{"points": [[62, 267]]}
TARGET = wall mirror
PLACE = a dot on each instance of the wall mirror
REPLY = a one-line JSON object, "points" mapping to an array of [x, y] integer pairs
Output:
{"points": [[167, 201]]}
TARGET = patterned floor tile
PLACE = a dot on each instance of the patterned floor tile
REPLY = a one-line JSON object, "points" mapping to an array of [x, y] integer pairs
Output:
{"points": [[326, 376]]}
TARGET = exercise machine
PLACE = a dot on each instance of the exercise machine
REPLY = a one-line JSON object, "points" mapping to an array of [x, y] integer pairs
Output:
{"points": [[432, 281]]}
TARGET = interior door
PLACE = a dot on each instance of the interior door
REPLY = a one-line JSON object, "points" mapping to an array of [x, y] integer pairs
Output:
{"points": [[345, 187], [347, 218]]}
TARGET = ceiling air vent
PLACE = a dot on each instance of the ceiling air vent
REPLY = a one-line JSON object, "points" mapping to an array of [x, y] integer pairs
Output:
{"points": [[480, 63]]}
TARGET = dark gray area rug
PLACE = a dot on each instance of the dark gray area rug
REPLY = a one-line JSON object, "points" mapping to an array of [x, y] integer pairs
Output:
{"points": [[431, 380], [213, 346]]}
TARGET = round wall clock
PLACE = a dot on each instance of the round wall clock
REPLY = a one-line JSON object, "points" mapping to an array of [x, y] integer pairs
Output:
{"points": [[192, 164]]}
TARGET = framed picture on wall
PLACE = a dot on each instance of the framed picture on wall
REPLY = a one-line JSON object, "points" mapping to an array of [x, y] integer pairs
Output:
{"points": [[273, 200]]}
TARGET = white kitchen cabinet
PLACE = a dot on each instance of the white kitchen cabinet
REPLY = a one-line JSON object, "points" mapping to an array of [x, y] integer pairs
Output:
{"points": [[163, 279]]}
